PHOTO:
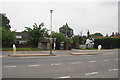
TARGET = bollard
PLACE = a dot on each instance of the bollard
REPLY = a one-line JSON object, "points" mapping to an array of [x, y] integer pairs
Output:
{"points": [[99, 48], [14, 49]]}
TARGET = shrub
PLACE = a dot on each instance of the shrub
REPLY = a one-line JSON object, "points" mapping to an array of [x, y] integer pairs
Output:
{"points": [[107, 43]]}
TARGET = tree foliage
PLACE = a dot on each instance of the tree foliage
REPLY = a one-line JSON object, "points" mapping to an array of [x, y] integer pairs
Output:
{"points": [[69, 40], [66, 30], [59, 37], [76, 39], [4, 21], [107, 43], [36, 33], [8, 37], [96, 34]]}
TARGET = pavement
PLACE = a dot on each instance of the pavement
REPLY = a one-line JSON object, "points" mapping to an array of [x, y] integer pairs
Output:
{"points": [[59, 67]]}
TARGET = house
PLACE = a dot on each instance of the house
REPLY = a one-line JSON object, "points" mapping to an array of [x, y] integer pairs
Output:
{"points": [[21, 37], [117, 35], [44, 44]]}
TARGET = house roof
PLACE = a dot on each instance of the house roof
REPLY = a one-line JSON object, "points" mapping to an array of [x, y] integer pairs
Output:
{"points": [[117, 36], [23, 34], [44, 40]]}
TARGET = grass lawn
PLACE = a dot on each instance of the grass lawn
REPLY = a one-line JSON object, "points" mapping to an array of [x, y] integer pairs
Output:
{"points": [[93, 48], [24, 49], [21, 49], [87, 49]]}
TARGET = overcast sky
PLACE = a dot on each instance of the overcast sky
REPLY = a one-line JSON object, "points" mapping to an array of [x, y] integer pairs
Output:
{"points": [[93, 15]]}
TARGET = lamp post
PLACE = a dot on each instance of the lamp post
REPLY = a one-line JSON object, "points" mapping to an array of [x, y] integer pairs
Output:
{"points": [[51, 32]]}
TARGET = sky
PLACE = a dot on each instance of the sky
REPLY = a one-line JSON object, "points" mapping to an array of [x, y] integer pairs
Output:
{"points": [[93, 15]]}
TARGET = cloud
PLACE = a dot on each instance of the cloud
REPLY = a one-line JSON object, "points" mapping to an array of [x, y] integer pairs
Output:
{"points": [[95, 16]]}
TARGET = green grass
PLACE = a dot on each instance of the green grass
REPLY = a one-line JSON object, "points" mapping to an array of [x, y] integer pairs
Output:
{"points": [[87, 49], [21, 49], [36, 49], [24, 49], [93, 48]]}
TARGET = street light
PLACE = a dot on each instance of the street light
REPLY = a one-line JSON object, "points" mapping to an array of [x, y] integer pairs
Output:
{"points": [[51, 32]]}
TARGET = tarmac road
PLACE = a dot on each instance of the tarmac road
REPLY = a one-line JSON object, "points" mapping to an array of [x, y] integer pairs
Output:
{"points": [[80, 66]]}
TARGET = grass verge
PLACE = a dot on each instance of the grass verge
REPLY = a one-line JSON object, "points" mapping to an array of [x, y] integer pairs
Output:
{"points": [[21, 49], [24, 49], [87, 48]]}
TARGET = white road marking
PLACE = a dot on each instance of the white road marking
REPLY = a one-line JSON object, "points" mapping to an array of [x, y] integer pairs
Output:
{"points": [[55, 64], [92, 73], [116, 59], [64, 77], [76, 62], [93, 61], [33, 65], [10, 66], [106, 60], [113, 69]]}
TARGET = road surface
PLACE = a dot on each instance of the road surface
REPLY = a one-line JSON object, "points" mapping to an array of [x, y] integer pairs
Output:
{"points": [[56, 67]]}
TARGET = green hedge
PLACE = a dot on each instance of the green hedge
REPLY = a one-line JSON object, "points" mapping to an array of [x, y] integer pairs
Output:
{"points": [[107, 43]]}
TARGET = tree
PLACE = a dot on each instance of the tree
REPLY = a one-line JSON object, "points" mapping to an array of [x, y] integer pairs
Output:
{"points": [[59, 38], [97, 34], [36, 33], [69, 40], [4, 21], [66, 30], [76, 39], [8, 37]]}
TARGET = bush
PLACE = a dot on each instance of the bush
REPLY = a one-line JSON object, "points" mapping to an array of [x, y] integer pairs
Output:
{"points": [[107, 43], [8, 37]]}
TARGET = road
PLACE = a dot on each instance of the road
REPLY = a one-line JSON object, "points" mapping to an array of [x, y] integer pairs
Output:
{"points": [[80, 66]]}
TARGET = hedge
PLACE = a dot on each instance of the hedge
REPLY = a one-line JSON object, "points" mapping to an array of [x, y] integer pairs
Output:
{"points": [[107, 43]]}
